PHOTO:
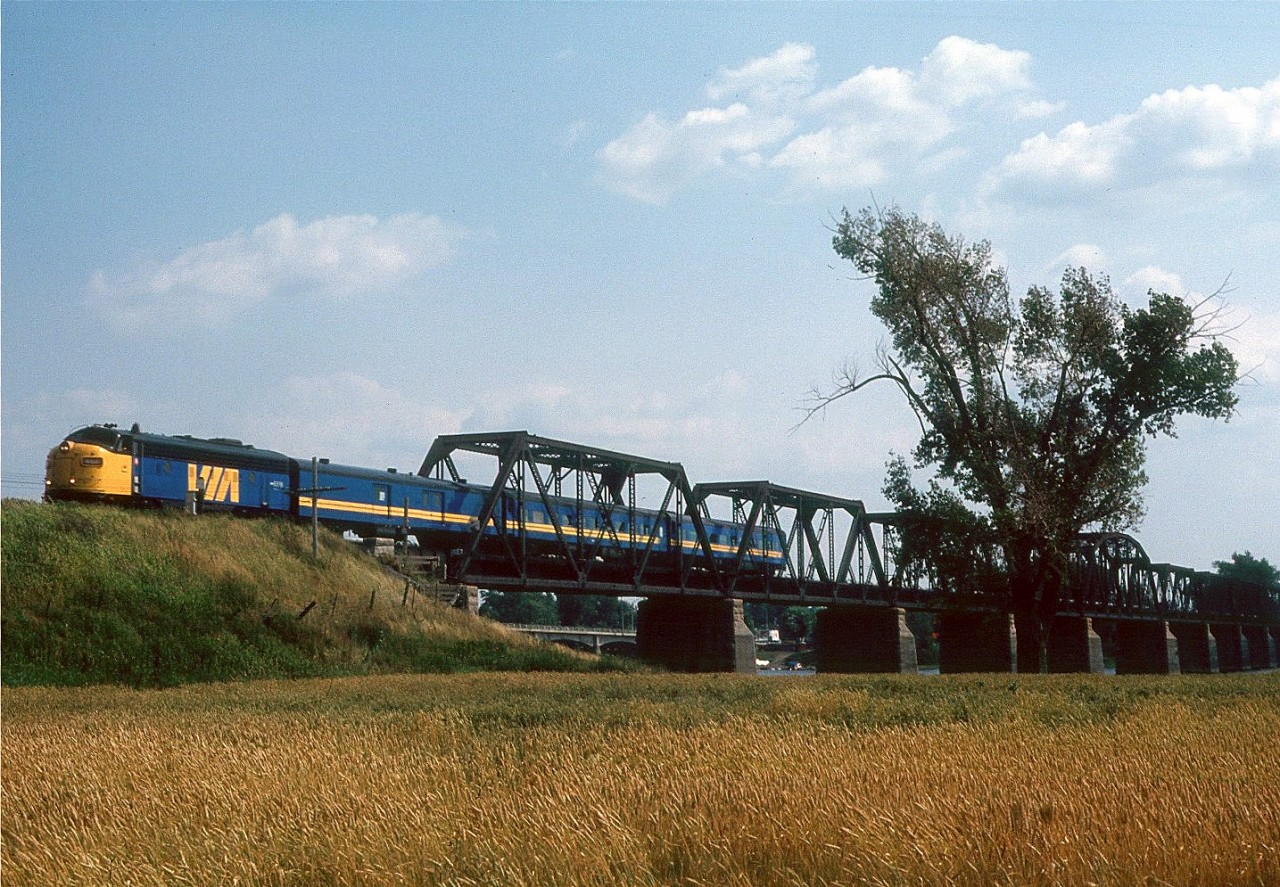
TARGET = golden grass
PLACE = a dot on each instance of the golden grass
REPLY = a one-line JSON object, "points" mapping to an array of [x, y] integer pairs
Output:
{"points": [[643, 779]]}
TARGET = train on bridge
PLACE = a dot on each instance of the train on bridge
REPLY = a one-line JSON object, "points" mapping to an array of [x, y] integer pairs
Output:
{"points": [[105, 463], [566, 518]]}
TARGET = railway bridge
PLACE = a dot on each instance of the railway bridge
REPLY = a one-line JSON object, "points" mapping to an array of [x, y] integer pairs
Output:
{"points": [[856, 566]]}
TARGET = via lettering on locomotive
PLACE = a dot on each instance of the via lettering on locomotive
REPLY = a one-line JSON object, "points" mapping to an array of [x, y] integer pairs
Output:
{"points": [[217, 484]]}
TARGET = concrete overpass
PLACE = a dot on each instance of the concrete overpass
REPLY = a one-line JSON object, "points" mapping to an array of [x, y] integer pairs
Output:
{"points": [[597, 640]]}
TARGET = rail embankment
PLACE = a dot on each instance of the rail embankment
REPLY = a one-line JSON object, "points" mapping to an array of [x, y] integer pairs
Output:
{"points": [[92, 594]]}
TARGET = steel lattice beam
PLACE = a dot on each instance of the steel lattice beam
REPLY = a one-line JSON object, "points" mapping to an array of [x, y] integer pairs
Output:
{"points": [[536, 469], [818, 564], [1110, 575]]}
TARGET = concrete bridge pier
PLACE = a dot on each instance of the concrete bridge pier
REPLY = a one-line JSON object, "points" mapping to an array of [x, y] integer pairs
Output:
{"points": [[857, 641], [969, 642], [692, 634], [1197, 647], [468, 599], [1146, 648], [1262, 647], [1074, 647], [1233, 647]]}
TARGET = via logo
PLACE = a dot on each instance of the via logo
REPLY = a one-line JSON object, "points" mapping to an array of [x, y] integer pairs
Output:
{"points": [[218, 484]]}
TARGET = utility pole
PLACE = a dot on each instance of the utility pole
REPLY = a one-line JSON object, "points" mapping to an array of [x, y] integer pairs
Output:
{"points": [[312, 491], [315, 511]]}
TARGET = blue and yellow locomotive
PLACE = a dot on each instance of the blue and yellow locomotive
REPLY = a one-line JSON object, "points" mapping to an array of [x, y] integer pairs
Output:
{"points": [[104, 463]]}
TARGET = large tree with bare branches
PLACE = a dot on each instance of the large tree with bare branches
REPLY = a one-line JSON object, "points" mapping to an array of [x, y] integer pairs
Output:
{"points": [[1034, 414]]}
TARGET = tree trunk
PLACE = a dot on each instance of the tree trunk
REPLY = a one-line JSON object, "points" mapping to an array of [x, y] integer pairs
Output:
{"points": [[1033, 639], [1036, 590]]}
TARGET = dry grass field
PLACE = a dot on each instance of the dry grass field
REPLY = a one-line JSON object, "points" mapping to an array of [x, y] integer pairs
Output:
{"points": [[647, 779], [95, 595]]}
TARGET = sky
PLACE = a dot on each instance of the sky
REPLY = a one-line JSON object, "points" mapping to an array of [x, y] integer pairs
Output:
{"points": [[344, 229]]}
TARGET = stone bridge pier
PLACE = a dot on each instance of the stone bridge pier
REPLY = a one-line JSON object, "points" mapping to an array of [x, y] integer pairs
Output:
{"points": [[1146, 647], [1233, 647], [1074, 647], [1262, 647], [1197, 647], [695, 634], [858, 641]]}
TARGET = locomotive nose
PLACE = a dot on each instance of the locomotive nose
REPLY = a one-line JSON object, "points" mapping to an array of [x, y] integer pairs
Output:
{"points": [[79, 470]]}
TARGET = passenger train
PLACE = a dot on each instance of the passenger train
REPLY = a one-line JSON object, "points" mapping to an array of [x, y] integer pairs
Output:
{"points": [[103, 463]]}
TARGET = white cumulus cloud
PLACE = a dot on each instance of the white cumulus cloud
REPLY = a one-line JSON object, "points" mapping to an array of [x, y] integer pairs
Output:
{"points": [[332, 258], [1192, 132], [771, 115], [960, 70], [656, 157], [1152, 277], [786, 75]]}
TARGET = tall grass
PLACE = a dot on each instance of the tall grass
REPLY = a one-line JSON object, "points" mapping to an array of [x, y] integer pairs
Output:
{"points": [[602, 780], [93, 594]]}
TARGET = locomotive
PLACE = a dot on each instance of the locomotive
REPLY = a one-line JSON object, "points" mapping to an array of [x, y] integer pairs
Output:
{"points": [[103, 463]]}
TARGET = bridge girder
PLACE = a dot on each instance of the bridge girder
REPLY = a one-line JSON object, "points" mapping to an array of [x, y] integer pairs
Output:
{"points": [[819, 557], [1111, 574], [537, 469]]}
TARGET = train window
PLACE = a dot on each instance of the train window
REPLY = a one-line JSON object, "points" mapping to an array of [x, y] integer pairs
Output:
{"points": [[381, 493]]}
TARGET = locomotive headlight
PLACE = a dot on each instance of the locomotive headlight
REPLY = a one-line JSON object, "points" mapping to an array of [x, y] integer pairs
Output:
{"points": [[64, 447]]}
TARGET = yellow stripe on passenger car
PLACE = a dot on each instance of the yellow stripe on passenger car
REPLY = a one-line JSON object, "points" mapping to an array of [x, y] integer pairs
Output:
{"points": [[590, 533]]}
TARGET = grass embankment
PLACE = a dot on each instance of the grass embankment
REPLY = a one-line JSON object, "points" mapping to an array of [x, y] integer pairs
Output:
{"points": [[91, 594], [644, 779]]}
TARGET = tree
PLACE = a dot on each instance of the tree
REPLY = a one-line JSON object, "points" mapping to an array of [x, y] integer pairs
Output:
{"points": [[793, 624], [595, 611], [1034, 415], [531, 608], [1250, 569]]}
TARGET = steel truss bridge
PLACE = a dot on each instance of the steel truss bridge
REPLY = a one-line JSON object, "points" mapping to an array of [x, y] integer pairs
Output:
{"points": [[836, 553]]}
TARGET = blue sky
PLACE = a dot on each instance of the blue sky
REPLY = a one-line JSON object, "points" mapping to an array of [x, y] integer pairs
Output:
{"points": [[344, 229]]}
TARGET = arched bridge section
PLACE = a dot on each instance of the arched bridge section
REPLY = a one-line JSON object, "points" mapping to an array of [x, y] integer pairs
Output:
{"points": [[1111, 575]]}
